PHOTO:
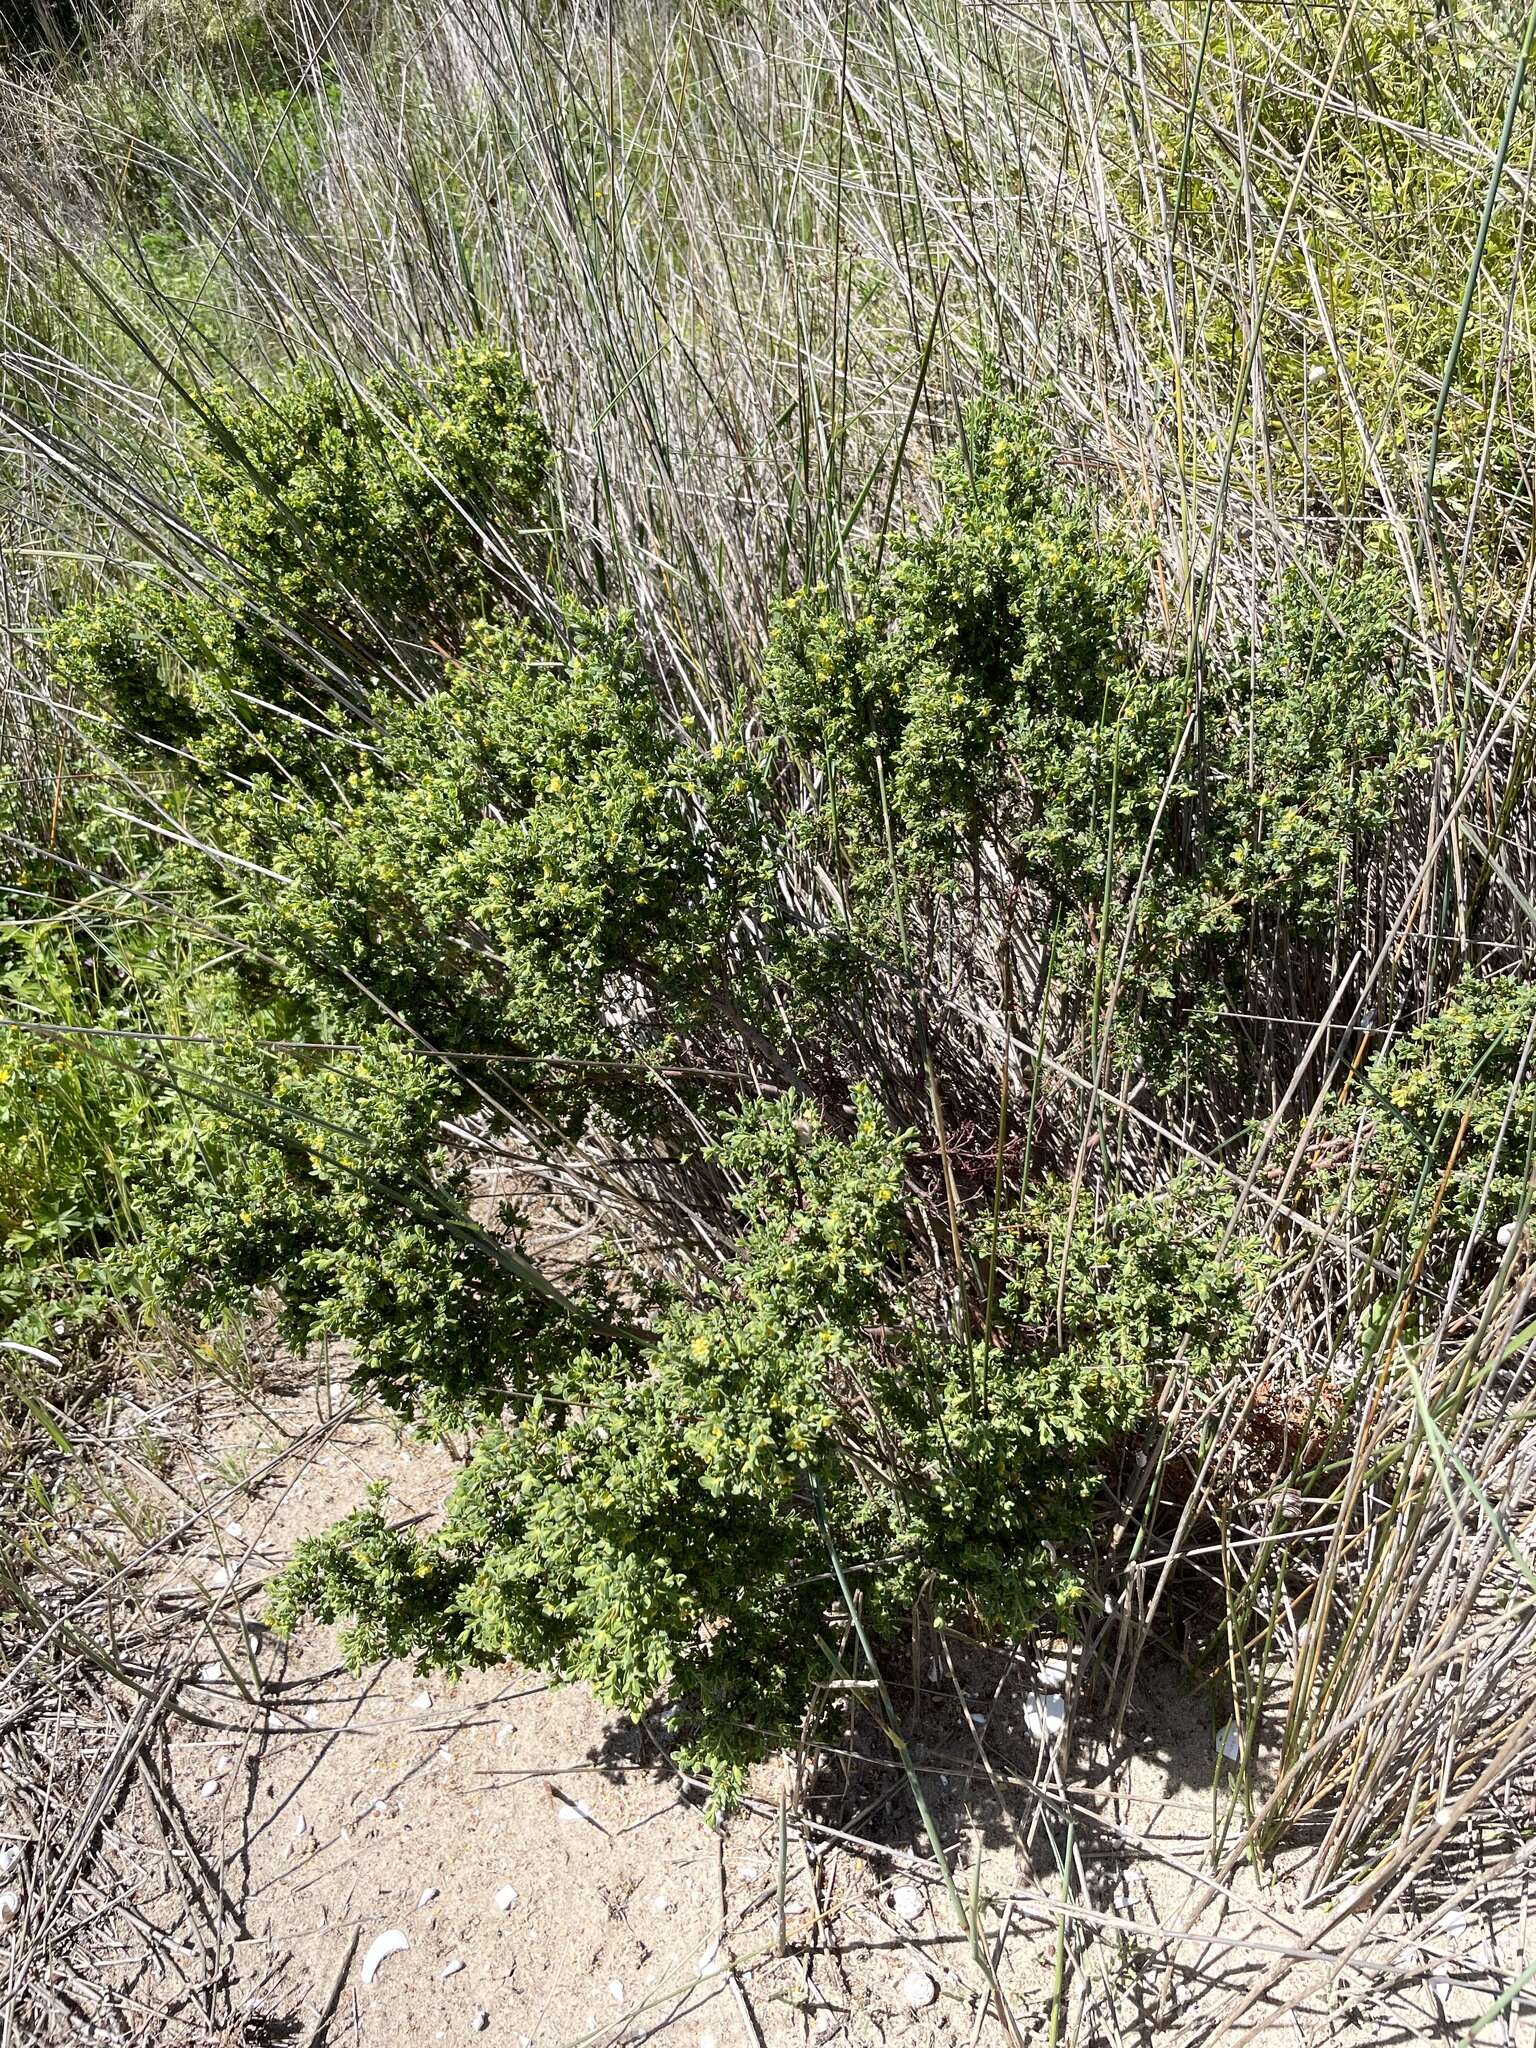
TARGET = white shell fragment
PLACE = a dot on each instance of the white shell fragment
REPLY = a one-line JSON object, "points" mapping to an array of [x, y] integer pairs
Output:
{"points": [[1507, 1234], [10, 1906], [480, 2022], [615, 1990], [907, 1902], [452, 1969], [709, 1963], [571, 1809], [1045, 1714], [386, 1945], [209, 1789], [10, 1856], [1229, 1744], [428, 1896], [917, 1990], [422, 1701], [506, 1898]]}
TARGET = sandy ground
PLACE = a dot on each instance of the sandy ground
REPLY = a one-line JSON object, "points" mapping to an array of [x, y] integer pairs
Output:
{"points": [[553, 1883]]}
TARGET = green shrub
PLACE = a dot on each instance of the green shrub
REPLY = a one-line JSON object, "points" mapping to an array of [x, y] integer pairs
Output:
{"points": [[365, 513], [1438, 1135], [1335, 736], [351, 543], [326, 1180], [648, 1521], [496, 834], [146, 660], [532, 859], [521, 900], [917, 692], [985, 682], [73, 1108]]}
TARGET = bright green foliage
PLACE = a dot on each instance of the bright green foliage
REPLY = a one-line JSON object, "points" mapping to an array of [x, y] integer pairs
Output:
{"points": [[1011, 605], [1147, 1282], [649, 1523], [510, 857], [361, 512], [1333, 733], [328, 1181], [82, 1091], [352, 541], [71, 1101], [147, 660], [1440, 1130], [1092, 1309], [412, 807], [987, 684], [68, 1109], [1344, 160]]}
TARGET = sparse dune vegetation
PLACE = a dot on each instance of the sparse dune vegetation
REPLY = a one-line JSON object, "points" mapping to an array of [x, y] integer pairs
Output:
{"points": [[765, 769]]}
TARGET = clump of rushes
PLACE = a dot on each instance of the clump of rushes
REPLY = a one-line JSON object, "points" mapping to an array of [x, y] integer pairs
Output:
{"points": [[1362, 222]]}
